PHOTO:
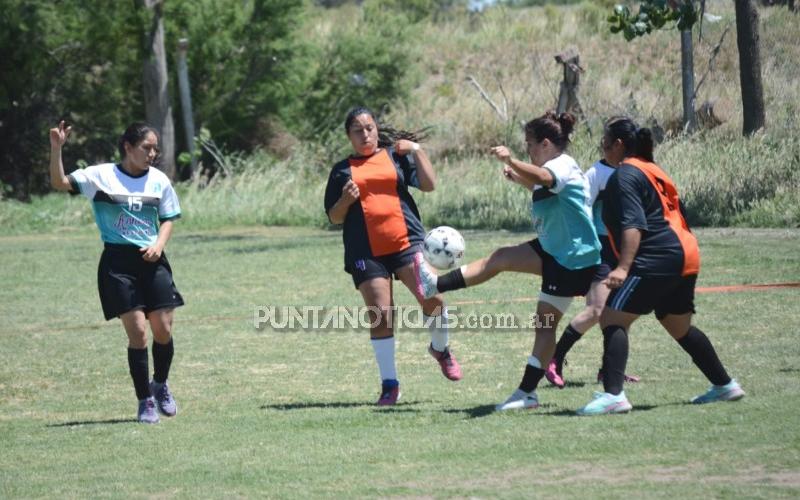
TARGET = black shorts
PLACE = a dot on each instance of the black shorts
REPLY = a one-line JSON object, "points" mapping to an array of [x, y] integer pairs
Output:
{"points": [[381, 267], [662, 294], [558, 280], [608, 261], [126, 282]]}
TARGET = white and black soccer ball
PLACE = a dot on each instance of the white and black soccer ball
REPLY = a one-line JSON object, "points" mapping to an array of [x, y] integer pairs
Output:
{"points": [[443, 247]]}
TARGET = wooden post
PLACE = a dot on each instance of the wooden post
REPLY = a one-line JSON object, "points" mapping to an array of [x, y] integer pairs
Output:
{"points": [[568, 90], [156, 93], [186, 100], [687, 81]]}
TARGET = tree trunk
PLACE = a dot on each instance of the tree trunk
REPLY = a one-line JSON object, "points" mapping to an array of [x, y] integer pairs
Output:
{"points": [[156, 95], [186, 102], [747, 40], [687, 81]]}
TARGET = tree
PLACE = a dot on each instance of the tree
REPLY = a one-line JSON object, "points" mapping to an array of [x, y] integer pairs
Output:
{"points": [[747, 40], [156, 85], [653, 15]]}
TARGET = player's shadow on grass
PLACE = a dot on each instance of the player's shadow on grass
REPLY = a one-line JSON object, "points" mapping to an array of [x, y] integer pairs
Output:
{"points": [[95, 422], [269, 247], [474, 412], [337, 404]]}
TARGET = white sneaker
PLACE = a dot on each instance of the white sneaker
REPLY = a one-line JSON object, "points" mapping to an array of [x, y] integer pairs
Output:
{"points": [[519, 400], [426, 279]]}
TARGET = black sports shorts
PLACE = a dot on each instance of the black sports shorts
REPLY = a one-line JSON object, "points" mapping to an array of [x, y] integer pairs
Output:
{"points": [[559, 281], [126, 282], [662, 294], [381, 267]]}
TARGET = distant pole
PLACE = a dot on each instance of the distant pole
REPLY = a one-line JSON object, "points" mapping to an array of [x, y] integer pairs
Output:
{"points": [[186, 100]]}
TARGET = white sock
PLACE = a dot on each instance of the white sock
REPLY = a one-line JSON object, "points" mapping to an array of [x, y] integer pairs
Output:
{"points": [[534, 362], [439, 332], [384, 355]]}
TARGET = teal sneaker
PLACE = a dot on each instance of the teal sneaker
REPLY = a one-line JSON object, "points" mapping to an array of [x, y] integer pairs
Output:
{"points": [[603, 403], [729, 392]]}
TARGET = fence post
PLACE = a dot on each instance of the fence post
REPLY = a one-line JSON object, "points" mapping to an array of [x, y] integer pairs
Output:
{"points": [[568, 90]]}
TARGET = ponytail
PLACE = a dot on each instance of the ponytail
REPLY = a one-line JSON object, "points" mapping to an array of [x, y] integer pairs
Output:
{"points": [[387, 134], [644, 144]]}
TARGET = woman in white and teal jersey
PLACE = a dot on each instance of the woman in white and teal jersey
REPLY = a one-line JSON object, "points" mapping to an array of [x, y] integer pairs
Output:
{"points": [[134, 207], [565, 253]]}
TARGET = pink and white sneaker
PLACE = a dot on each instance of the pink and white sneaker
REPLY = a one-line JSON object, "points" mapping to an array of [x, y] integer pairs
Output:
{"points": [[447, 362], [552, 375]]}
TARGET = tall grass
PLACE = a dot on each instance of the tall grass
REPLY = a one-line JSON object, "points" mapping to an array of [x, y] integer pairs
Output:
{"points": [[724, 179]]}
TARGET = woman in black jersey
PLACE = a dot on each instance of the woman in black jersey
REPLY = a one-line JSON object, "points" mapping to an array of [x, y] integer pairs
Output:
{"points": [[657, 268]]}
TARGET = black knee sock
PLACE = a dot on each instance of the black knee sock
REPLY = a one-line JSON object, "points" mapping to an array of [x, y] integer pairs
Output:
{"points": [[565, 343], [453, 280], [162, 360], [704, 356], [615, 357], [531, 378], [137, 362]]}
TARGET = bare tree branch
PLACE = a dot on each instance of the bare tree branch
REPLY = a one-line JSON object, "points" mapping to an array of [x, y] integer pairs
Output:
{"points": [[503, 116]]}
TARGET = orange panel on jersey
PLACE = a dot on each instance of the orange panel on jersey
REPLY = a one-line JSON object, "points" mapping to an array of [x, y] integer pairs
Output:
{"points": [[376, 178], [668, 194]]}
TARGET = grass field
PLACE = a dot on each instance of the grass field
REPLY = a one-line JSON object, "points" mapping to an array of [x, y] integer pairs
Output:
{"points": [[290, 414]]}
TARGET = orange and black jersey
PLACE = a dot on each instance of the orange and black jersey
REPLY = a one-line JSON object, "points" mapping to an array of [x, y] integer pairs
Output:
{"points": [[640, 195], [385, 219]]}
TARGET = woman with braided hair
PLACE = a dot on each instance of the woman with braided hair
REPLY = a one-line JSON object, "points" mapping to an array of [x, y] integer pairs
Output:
{"points": [[367, 193]]}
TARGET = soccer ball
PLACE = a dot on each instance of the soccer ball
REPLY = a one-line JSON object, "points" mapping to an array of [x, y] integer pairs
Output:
{"points": [[443, 247]]}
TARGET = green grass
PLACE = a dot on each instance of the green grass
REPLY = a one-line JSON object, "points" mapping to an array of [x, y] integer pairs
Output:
{"points": [[289, 414]]}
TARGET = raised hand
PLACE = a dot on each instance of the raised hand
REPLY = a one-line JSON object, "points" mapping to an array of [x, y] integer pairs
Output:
{"points": [[59, 135], [501, 153]]}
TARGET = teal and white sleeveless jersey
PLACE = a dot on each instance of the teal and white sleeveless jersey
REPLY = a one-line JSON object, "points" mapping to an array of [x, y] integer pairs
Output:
{"points": [[127, 209], [562, 216], [598, 175]]}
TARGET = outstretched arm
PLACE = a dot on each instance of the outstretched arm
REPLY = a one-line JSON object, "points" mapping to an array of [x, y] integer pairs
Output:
{"points": [[531, 173], [58, 136]]}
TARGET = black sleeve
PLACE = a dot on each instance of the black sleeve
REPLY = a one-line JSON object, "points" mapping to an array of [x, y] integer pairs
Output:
{"points": [[408, 166], [628, 193], [333, 191], [74, 187]]}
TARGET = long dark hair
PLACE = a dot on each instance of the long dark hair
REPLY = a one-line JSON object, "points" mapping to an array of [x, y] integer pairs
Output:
{"points": [[133, 135], [553, 127], [638, 141], [387, 134]]}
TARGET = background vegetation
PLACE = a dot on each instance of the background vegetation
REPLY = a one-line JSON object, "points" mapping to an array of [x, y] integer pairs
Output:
{"points": [[271, 85]]}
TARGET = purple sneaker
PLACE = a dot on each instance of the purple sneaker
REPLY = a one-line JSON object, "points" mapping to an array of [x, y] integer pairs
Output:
{"points": [[164, 401], [390, 394], [147, 411]]}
